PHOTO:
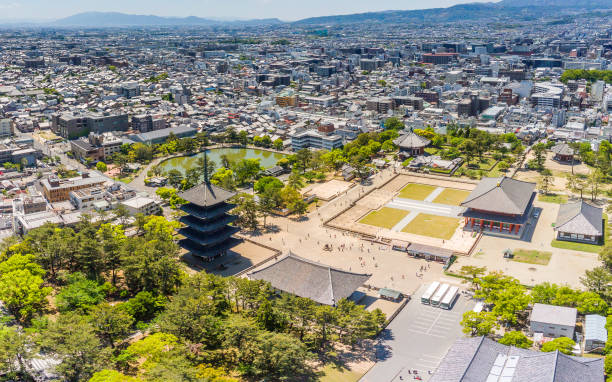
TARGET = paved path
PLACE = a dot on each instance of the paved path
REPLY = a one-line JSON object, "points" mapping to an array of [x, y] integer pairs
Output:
{"points": [[434, 194], [425, 207], [402, 223]]}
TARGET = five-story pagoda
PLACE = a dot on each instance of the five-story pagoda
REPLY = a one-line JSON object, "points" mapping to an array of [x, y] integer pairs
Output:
{"points": [[207, 231]]}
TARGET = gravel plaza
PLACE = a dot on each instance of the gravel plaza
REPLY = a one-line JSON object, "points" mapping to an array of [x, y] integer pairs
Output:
{"points": [[417, 339]]}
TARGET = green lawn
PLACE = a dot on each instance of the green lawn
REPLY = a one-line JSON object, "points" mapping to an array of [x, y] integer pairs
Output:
{"points": [[416, 191], [532, 256], [582, 247], [552, 198], [440, 227], [331, 373], [451, 196], [385, 217]]}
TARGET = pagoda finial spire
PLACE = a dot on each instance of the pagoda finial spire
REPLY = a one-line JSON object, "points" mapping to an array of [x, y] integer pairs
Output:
{"points": [[205, 168]]}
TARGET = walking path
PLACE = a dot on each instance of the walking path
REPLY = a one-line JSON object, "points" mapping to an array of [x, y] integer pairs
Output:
{"points": [[402, 223], [434, 194], [426, 207]]}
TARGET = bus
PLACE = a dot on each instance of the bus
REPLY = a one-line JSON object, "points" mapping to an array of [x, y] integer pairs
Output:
{"points": [[437, 298], [449, 299], [426, 297]]}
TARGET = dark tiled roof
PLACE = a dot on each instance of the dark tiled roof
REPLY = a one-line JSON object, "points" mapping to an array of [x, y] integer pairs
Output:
{"points": [[501, 195], [562, 149], [411, 140], [206, 195], [580, 218], [474, 359], [305, 278]]}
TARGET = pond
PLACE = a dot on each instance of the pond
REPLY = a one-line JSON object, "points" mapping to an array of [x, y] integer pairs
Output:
{"points": [[266, 158]]}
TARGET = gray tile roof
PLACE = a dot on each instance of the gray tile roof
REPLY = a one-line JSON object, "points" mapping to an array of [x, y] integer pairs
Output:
{"points": [[206, 195], [562, 149], [501, 195], [595, 328], [552, 314], [475, 359], [305, 278], [580, 218], [411, 140]]}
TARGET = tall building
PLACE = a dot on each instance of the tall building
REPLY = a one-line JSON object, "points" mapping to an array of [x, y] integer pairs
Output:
{"points": [[207, 232]]}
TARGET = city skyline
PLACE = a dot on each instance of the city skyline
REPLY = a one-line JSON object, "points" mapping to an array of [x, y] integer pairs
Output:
{"points": [[40, 10]]}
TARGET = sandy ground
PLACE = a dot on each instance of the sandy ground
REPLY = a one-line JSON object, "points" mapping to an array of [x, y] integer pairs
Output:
{"points": [[327, 190]]}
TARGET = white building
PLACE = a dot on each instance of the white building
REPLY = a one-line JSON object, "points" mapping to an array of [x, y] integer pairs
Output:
{"points": [[553, 321], [141, 205], [6, 127]]}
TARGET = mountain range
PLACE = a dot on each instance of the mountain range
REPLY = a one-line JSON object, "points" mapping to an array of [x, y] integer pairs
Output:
{"points": [[505, 9], [115, 19]]}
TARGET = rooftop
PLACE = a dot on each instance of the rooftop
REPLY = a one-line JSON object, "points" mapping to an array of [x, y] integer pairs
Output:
{"points": [[552, 314]]}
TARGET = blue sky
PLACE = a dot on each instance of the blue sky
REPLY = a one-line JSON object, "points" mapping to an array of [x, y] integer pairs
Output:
{"points": [[243, 9]]}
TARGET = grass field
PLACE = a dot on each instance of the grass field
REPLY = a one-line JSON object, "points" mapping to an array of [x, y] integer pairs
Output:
{"points": [[440, 227], [532, 256], [451, 196], [416, 191], [553, 198], [385, 217], [330, 373]]}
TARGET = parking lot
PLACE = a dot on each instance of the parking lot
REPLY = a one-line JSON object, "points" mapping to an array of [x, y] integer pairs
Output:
{"points": [[417, 339]]}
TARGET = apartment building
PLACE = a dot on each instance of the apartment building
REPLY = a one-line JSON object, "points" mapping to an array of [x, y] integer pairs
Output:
{"points": [[315, 139], [57, 190]]}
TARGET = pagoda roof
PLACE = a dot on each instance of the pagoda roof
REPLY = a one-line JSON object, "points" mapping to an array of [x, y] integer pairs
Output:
{"points": [[206, 195]]}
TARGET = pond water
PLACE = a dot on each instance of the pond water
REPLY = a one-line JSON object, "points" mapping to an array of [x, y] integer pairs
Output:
{"points": [[266, 158]]}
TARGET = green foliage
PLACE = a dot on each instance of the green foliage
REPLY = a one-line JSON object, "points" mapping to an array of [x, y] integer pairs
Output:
{"points": [[72, 339], [81, 294], [589, 75], [267, 182], [101, 166], [517, 339], [110, 323], [562, 344], [21, 286], [112, 376], [144, 306], [478, 324], [16, 349]]}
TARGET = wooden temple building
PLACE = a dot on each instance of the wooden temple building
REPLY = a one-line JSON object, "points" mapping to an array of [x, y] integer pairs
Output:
{"points": [[500, 206]]}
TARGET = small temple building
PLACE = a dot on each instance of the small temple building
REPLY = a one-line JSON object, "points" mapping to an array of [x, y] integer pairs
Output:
{"points": [[305, 278], [207, 230], [500, 206], [411, 144], [563, 152]]}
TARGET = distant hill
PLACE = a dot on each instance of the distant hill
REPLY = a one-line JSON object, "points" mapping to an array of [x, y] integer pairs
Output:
{"points": [[114, 19], [518, 9]]}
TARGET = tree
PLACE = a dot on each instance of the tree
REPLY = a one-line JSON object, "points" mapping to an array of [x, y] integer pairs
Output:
{"points": [[21, 286], [473, 272], [112, 240], [597, 280], [144, 306], [246, 170], [71, 339], [112, 376], [295, 180], [267, 182], [546, 180], [16, 351], [269, 200], [517, 339], [393, 123], [278, 144], [223, 178], [246, 211], [81, 294], [468, 148], [174, 178], [576, 183], [303, 157], [562, 344], [101, 166], [591, 303], [110, 323], [280, 357], [594, 180], [608, 365], [539, 151], [478, 324]]}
